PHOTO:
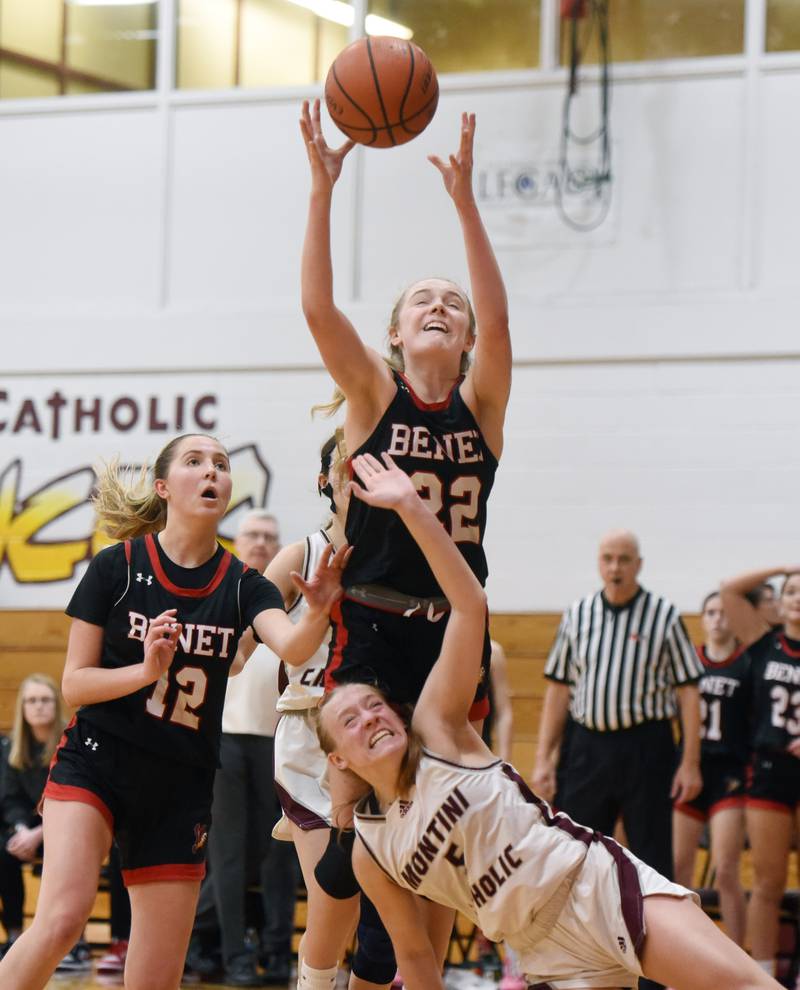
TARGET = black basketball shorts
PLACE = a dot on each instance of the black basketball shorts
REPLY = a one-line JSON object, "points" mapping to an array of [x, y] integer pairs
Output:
{"points": [[394, 651], [774, 781], [159, 811], [724, 781]]}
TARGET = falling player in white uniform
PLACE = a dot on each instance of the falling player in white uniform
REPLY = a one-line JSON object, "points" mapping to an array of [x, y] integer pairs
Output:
{"points": [[450, 822], [301, 777]]}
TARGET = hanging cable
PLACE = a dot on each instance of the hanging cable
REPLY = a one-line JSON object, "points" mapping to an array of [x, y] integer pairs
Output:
{"points": [[574, 181]]}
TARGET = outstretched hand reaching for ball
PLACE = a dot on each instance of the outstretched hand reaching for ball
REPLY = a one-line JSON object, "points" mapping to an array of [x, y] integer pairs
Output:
{"points": [[326, 162], [457, 174]]}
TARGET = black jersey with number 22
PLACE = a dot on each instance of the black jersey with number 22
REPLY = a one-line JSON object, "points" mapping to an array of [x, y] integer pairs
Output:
{"points": [[440, 446]]}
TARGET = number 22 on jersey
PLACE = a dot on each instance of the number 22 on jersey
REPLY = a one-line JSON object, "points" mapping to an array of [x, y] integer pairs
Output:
{"points": [[462, 514]]}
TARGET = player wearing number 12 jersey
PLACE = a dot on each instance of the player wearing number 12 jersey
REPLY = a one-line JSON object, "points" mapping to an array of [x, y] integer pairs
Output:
{"points": [[155, 629]]}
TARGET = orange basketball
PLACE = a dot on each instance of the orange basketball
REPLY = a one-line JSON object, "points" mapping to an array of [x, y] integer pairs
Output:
{"points": [[382, 91]]}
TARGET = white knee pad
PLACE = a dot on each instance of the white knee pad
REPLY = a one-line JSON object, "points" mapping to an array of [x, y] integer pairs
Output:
{"points": [[316, 979]]}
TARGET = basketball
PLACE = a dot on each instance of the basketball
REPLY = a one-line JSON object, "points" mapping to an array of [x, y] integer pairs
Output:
{"points": [[382, 91]]}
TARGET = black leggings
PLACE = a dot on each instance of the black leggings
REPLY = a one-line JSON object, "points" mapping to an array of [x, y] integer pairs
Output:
{"points": [[12, 890]]}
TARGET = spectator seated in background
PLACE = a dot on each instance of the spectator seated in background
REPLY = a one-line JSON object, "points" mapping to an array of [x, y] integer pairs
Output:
{"points": [[38, 725]]}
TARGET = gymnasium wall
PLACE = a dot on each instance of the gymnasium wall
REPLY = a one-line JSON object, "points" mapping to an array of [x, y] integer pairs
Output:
{"points": [[150, 242]]}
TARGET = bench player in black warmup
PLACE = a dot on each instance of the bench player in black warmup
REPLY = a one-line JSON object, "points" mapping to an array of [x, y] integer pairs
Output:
{"points": [[725, 699], [773, 795], [439, 417], [156, 623]]}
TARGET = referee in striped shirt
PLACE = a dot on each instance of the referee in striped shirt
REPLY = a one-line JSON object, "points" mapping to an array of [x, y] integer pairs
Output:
{"points": [[622, 666]]}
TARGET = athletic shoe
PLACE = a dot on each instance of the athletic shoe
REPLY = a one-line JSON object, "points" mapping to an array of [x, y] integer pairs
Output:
{"points": [[114, 960], [241, 972], [77, 960], [277, 969]]}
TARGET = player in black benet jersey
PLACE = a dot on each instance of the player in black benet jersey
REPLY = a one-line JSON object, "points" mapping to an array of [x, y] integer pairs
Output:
{"points": [[156, 622], [773, 794], [725, 701], [438, 416]]}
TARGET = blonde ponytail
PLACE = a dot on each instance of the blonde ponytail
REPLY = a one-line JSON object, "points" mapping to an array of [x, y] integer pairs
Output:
{"points": [[126, 503]]}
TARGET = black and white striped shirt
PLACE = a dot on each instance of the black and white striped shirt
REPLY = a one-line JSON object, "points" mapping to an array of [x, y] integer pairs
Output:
{"points": [[622, 662]]}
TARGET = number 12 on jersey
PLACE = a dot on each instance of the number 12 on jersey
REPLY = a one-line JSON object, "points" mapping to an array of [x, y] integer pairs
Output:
{"points": [[193, 682]]}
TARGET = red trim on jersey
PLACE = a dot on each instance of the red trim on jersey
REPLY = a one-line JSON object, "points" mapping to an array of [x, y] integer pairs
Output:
{"points": [[728, 802], [767, 805], [718, 664], [68, 792], [478, 710], [62, 740], [786, 648], [128, 551], [164, 581], [342, 636], [690, 812], [429, 406], [169, 871]]}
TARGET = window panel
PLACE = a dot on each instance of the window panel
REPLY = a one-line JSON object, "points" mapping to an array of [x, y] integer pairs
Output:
{"points": [[76, 88], [783, 25], [116, 43], [226, 43], [284, 44], [469, 35], [641, 30], [55, 47], [32, 27], [18, 82], [207, 32]]}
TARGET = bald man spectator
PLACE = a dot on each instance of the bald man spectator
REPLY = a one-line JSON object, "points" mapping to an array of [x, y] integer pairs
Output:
{"points": [[622, 666]]}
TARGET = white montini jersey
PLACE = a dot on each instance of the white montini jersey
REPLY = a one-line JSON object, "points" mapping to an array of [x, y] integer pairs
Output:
{"points": [[478, 840], [305, 682]]}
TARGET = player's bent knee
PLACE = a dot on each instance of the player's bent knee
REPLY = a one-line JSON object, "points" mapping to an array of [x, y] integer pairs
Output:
{"points": [[60, 928], [374, 959], [334, 872], [373, 970]]}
